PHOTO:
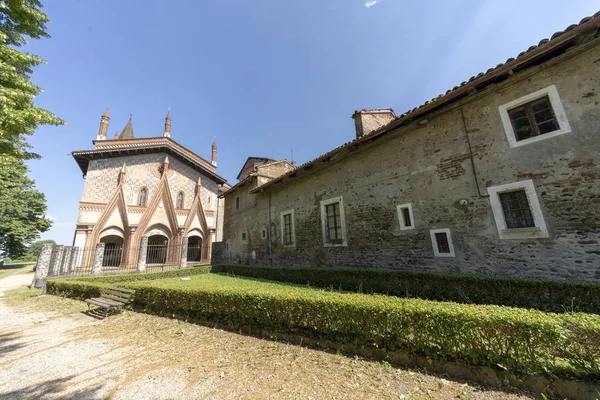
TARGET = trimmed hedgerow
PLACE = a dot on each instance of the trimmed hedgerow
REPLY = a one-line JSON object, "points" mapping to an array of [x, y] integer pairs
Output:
{"points": [[85, 288], [543, 294], [513, 338]]}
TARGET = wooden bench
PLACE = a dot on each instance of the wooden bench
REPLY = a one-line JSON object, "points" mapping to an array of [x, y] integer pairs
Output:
{"points": [[112, 299]]}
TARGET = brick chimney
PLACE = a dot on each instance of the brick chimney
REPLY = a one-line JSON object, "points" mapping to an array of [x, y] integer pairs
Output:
{"points": [[367, 121]]}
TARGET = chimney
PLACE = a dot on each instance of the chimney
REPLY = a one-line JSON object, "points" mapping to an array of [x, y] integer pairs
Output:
{"points": [[367, 121]]}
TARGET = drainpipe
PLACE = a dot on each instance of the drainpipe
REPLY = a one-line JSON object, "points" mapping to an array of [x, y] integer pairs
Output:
{"points": [[269, 232], [464, 121]]}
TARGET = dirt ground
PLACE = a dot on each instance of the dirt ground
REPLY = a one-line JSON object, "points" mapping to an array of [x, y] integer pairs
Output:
{"points": [[50, 349]]}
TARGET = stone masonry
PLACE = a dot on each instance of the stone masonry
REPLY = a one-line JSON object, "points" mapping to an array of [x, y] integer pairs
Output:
{"points": [[427, 163]]}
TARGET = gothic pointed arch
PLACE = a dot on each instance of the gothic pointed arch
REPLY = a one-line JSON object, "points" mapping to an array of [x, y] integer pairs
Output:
{"points": [[196, 211]]}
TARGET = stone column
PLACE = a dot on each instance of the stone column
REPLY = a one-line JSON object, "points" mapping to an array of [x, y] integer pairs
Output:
{"points": [[141, 267], [66, 261], [98, 258], [43, 262], [184, 251], [56, 260]]}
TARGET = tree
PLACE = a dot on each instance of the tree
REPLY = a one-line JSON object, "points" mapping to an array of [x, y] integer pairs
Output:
{"points": [[22, 208], [35, 248], [20, 19]]}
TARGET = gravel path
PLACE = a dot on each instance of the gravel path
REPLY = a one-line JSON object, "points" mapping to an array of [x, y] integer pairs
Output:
{"points": [[43, 356], [66, 354]]}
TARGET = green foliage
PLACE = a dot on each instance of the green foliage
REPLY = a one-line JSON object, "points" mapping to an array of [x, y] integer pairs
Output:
{"points": [[25, 258], [543, 294], [36, 247], [20, 19], [84, 288], [22, 208], [513, 338]]}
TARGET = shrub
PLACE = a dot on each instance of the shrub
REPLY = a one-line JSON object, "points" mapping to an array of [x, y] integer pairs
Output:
{"points": [[543, 294], [147, 276], [514, 338]]}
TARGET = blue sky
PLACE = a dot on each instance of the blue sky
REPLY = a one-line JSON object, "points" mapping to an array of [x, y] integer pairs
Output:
{"points": [[263, 77]]}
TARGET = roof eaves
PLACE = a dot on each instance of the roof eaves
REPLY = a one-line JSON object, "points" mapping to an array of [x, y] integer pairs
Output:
{"points": [[544, 46]]}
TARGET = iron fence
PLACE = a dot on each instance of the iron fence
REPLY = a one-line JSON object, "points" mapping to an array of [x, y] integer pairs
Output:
{"points": [[67, 261]]}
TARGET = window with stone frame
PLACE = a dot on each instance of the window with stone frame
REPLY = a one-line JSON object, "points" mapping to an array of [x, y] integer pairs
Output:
{"points": [[516, 209], [333, 222], [143, 197], [179, 200], [405, 216], [441, 241], [533, 119]]}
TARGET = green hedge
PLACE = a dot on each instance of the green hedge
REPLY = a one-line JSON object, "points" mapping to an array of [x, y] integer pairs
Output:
{"points": [[543, 294], [84, 288], [514, 338]]}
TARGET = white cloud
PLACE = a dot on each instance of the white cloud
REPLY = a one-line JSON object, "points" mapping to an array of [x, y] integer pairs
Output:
{"points": [[371, 3], [51, 218]]}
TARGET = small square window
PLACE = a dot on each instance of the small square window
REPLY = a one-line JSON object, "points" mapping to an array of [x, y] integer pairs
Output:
{"points": [[333, 222], [237, 203], [405, 216], [537, 116], [288, 234], [517, 211], [442, 243]]}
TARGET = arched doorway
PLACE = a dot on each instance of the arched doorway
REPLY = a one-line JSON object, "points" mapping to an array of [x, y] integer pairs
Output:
{"points": [[157, 249], [194, 252], [113, 250]]}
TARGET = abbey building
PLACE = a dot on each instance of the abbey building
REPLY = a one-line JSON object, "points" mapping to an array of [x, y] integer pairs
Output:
{"points": [[149, 192]]}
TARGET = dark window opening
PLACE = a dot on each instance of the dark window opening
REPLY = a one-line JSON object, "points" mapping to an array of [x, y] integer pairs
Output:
{"points": [[333, 223], [287, 229], [441, 239], [244, 236], [264, 233], [515, 207], [143, 197], [406, 217], [533, 119], [237, 203]]}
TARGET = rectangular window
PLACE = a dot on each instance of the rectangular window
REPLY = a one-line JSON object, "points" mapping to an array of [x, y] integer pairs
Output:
{"points": [[441, 241], [288, 235], [405, 216], [237, 203], [517, 211], [333, 222], [533, 119], [244, 236], [287, 229], [536, 116], [264, 233]]}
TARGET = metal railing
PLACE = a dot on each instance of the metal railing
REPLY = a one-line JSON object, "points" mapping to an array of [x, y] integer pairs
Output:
{"points": [[67, 261]]}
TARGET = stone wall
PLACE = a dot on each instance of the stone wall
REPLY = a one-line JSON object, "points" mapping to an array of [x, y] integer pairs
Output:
{"points": [[429, 166]]}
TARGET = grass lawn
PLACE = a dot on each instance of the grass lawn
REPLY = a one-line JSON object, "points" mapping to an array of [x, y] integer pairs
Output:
{"points": [[8, 270]]}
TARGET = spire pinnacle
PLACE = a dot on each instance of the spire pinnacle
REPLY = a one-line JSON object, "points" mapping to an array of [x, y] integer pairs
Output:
{"points": [[214, 152], [103, 126], [168, 124], [127, 132]]}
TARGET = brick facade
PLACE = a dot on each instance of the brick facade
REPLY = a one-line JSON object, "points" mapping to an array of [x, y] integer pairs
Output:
{"points": [[427, 163]]}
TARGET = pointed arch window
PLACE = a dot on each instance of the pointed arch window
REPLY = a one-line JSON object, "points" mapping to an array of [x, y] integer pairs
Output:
{"points": [[179, 200], [143, 197]]}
